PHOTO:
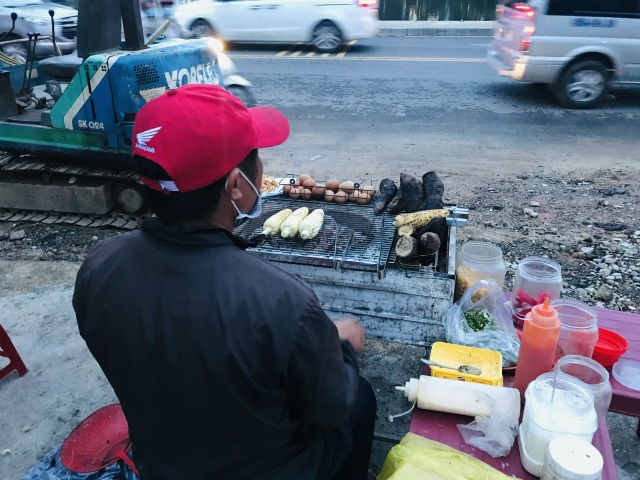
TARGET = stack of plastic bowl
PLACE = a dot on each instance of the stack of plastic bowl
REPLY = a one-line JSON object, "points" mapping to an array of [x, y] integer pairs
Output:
{"points": [[609, 347]]}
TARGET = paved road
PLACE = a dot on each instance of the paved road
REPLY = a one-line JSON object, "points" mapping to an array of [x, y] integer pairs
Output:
{"points": [[431, 98]]}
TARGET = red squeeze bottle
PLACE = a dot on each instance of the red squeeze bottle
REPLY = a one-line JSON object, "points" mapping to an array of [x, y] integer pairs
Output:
{"points": [[538, 345]]}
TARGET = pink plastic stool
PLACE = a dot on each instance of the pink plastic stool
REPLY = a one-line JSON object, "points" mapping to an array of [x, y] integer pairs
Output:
{"points": [[8, 350]]}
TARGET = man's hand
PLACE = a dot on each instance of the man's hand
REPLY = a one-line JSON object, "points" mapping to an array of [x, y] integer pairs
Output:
{"points": [[352, 331]]}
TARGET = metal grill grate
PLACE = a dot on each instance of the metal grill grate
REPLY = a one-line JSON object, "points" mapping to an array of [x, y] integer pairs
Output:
{"points": [[352, 236]]}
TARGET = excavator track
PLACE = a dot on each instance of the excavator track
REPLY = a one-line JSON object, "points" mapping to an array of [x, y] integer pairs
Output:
{"points": [[19, 172], [113, 220]]}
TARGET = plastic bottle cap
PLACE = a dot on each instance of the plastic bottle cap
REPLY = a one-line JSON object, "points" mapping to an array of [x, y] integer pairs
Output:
{"points": [[545, 310], [545, 313]]}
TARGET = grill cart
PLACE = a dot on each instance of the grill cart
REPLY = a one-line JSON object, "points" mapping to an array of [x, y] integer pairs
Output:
{"points": [[352, 267]]}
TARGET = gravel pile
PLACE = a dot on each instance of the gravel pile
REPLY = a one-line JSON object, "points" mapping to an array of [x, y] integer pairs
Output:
{"points": [[591, 226]]}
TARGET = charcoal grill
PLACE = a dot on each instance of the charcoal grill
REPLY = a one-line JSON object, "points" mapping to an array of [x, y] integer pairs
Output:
{"points": [[353, 270], [352, 237]]}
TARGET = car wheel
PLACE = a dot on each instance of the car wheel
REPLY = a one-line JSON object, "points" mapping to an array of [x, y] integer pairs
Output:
{"points": [[326, 37], [244, 94], [17, 51], [202, 28], [583, 84]]}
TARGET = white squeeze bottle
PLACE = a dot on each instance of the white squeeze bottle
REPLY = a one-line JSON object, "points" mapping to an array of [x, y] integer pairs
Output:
{"points": [[464, 398]]}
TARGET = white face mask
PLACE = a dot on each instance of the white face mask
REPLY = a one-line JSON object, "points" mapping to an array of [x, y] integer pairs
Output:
{"points": [[256, 210]]}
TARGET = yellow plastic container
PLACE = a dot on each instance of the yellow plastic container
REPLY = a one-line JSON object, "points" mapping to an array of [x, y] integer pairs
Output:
{"points": [[489, 361]]}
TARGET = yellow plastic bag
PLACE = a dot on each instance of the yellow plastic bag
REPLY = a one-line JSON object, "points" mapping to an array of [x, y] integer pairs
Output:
{"points": [[417, 458]]}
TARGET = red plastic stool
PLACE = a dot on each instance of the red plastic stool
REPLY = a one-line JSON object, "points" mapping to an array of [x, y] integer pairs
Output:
{"points": [[8, 350]]}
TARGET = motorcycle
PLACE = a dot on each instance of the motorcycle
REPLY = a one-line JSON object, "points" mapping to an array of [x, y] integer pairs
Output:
{"points": [[158, 24]]}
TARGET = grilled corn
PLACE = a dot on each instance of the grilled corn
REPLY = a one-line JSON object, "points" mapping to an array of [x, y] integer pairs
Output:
{"points": [[311, 225], [272, 226], [419, 219], [290, 227]]}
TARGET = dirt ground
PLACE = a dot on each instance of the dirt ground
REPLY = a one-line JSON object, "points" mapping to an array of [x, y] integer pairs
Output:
{"points": [[588, 221]]}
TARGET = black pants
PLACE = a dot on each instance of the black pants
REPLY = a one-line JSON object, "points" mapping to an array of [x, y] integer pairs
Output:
{"points": [[355, 438]]}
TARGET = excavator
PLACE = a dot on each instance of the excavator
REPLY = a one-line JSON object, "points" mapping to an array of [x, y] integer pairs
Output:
{"points": [[66, 122]]}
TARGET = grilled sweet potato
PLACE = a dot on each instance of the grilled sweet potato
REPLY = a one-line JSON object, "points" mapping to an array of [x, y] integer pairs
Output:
{"points": [[433, 190], [438, 226], [406, 246], [412, 192], [386, 191], [428, 243]]}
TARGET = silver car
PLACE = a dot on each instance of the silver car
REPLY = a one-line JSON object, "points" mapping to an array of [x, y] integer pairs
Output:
{"points": [[33, 17], [577, 47]]}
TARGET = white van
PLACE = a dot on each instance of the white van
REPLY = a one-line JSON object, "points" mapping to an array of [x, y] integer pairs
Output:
{"points": [[577, 47]]}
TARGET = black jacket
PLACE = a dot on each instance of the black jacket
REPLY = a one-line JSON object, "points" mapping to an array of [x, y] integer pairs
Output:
{"points": [[225, 366]]}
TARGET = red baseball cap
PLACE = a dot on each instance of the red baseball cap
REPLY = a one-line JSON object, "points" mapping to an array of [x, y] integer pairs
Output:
{"points": [[199, 133]]}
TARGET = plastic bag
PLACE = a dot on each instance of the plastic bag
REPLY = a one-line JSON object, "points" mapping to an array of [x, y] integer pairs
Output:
{"points": [[417, 458], [494, 434], [499, 334]]}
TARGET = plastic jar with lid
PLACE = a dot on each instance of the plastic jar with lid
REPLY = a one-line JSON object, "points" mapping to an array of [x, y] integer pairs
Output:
{"points": [[536, 278], [556, 404], [579, 328], [569, 458], [594, 375], [478, 261]]}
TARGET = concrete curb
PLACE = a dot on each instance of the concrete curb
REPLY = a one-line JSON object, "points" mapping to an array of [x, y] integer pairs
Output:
{"points": [[435, 29]]}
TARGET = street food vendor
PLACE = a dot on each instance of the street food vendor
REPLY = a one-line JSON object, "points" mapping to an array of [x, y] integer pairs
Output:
{"points": [[225, 366]]}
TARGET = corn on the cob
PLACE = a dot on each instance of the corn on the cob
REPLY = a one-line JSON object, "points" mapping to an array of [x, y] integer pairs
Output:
{"points": [[289, 228], [310, 226], [272, 226], [419, 219], [405, 230]]}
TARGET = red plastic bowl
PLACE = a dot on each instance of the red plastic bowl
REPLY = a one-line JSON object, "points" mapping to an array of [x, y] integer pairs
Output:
{"points": [[609, 347]]}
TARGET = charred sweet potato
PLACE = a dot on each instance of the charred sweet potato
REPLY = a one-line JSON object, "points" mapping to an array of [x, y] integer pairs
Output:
{"points": [[406, 246], [396, 205], [438, 226], [433, 191], [386, 192], [412, 192], [428, 243]]}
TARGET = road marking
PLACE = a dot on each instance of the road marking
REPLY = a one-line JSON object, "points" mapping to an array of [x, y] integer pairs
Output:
{"points": [[310, 54], [295, 55], [346, 49], [284, 52]]}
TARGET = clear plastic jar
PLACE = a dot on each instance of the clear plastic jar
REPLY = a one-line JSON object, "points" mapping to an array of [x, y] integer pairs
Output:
{"points": [[594, 375], [579, 331], [478, 261], [556, 404], [536, 278]]}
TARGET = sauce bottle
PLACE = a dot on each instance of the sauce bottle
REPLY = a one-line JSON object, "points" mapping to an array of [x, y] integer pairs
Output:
{"points": [[538, 345], [463, 398]]}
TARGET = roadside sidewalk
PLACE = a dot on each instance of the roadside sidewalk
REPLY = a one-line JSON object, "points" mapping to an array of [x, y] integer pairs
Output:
{"points": [[435, 29]]}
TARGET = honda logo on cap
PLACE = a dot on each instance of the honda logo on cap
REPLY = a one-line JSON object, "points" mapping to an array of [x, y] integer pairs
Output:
{"points": [[146, 136]]}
